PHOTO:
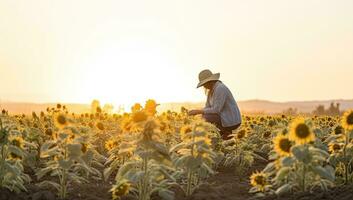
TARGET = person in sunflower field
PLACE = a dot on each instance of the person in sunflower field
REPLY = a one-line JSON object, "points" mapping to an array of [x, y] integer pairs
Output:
{"points": [[221, 108]]}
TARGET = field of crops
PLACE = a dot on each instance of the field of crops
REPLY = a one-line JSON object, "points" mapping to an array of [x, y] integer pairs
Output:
{"points": [[145, 155]]}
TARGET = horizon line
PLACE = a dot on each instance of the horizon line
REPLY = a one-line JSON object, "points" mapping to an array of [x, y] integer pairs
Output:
{"points": [[171, 102]]}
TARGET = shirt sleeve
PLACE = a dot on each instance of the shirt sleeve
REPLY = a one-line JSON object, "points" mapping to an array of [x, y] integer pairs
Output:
{"points": [[219, 98]]}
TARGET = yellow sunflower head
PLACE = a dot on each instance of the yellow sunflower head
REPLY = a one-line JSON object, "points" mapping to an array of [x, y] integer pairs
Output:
{"points": [[110, 144], [347, 120], [17, 141], [241, 134], [282, 145], [338, 130], [120, 190], [100, 126], [185, 130], [61, 120], [259, 180], [126, 125], [139, 116], [14, 156], [266, 134], [84, 147], [300, 132], [136, 107], [151, 107], [334, 147]]}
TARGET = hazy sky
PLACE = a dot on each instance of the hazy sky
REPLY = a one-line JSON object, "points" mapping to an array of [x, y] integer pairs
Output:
{"points": [[128, 51]]}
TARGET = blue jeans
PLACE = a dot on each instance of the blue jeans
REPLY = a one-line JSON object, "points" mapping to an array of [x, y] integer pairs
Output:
{"points": [[215, 119]]}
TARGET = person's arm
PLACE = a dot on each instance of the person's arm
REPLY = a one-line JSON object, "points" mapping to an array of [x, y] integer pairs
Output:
{"points": [[196, 112], [219, 98]]}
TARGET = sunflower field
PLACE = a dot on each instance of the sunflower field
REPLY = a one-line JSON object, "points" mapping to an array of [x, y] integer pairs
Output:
{"points": [[146, 155]]}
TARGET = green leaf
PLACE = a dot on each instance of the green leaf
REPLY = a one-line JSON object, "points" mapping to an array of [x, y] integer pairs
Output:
{"points": [[49, 152], [65, 164], [125, 168], [106, 173], [208, 168], [283, 189], [177, 147], [269, 167], [49, 184], [74, 150], [43, 172], [62, 135], [325, 173], [282, 173], [287, 161], [301, 153], [166, 194], [319, 152]]}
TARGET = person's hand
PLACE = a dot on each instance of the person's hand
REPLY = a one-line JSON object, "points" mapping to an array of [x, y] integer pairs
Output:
{"points": [[194, 112]]}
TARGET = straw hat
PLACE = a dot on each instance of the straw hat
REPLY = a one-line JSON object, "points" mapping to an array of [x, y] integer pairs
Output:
{"points": [[206, 76]]}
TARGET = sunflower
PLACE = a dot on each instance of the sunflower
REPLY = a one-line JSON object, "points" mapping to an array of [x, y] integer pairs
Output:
{"points": [[49, 132], [139, 116], [241, 134], [347, 120], [300, 132], [84, 147], [150, 107], [338, 130], [110, 144], [14, 156], [136, 107], [17, 141], [120, 190], [126, 125], [259, 180], [334, 147], [100, 126], [266, 134], [282, 145], [185, 130], [60, 120]]}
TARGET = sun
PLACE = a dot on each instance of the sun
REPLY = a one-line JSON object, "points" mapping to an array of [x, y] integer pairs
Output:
{"points": [[129, 74]]}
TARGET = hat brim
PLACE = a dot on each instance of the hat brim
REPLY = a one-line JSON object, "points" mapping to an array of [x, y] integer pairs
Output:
{"points": [[214, 77]]}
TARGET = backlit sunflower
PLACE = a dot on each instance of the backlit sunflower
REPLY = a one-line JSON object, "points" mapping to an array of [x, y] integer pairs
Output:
{"points": [[17, 141], [120, 190], [347, 120], [266, 134], [139, 116], [14, 156], [338, 130], [150, 107], [84, 147], [241, 134], [334, 147], [61, 120], [282, 145], [136, 107], [300, 132], [185, 130], [100, 126], [259, 180], [126, 125], [110, 144]]}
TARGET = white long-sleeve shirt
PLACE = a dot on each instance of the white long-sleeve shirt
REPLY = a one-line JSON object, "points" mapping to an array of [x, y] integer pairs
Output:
{"points": [[222, 102]]}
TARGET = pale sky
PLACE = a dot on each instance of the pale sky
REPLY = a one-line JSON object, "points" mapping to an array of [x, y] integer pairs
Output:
{"points": [[129, 51]]}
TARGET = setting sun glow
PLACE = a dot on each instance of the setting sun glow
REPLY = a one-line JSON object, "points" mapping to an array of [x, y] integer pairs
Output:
{"points": [[125, 51]]}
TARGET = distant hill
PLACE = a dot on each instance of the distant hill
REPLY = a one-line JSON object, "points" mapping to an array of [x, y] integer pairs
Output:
{"points": [[249, 106], [27, 108], [270, 107]]}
